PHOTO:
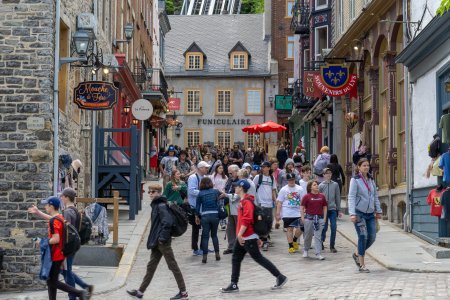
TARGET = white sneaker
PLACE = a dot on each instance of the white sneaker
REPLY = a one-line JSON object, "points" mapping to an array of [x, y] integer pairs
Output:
{"points": [[305, 253], [320, 257]]}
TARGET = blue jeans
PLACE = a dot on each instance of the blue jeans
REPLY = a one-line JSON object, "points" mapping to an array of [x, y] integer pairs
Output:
{"points": [[366, 230], [331, 216], [71, 278], [210, 223]]}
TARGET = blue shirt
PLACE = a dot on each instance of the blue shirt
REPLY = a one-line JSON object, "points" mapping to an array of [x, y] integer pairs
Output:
{"points": [[444, 164], [193, 188]]}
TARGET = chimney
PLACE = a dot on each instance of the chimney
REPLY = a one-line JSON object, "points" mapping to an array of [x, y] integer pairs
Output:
{"points": [[267, 19]]}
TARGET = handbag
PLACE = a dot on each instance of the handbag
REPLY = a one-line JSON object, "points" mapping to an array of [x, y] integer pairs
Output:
{"points": [[222, 212]]}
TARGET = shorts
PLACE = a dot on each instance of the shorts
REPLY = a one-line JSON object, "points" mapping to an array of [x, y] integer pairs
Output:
{"points": [[292, 222]]}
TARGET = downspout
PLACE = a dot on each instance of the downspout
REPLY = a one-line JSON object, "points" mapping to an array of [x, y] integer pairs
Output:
{"points": [[94, 128], [55, 99]]}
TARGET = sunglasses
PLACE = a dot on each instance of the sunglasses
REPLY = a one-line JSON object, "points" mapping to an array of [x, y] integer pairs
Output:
{"points": [[152, 191]]}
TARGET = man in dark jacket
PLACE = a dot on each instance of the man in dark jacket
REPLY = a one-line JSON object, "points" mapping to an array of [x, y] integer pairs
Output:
{"points": [[159, 241], [282, 156]]}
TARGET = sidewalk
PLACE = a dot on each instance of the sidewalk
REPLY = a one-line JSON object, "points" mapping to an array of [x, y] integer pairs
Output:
{"points": [[398, 250], [107, 279]]}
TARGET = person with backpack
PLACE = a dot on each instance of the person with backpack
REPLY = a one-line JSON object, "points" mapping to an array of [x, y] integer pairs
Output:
{"points": [[56, 234], [207, 209], [160, 243], [72, 216], [266, 196], [248, 241], [321, 162]]}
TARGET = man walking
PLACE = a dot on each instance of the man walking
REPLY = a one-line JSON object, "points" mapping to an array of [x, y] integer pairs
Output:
{"points": [[331, 191], [236, 156], [266, 195], [193, 190], [168, 164], [160, 242], [233, 202], [248, 241]]}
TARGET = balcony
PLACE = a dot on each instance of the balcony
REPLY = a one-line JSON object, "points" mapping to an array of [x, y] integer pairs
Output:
{"points": [[154, 85], [300, 101], [300, 17]]}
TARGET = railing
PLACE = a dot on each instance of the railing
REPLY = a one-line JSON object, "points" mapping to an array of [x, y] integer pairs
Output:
{"points": [[299, 100], [149, 78], [300, 17]]}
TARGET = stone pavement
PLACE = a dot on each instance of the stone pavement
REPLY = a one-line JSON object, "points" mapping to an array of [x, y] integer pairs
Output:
{"points": [[335, 278]]}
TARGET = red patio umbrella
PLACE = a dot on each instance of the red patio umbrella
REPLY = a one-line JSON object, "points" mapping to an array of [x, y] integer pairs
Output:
{"points": [[251, 128], [270, 127]]}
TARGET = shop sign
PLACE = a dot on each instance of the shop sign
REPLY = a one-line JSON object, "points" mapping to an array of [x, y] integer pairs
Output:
{"points": [[309, 89], [335, 80], [35, 123], [142, 109], [224, 122], [283, 102], [174, 103], [95, 95]]}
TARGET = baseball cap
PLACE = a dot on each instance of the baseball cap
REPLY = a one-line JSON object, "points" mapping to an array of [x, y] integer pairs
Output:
{"points": [[326, 169], [265, 164], [203, 164], [290, 176], [246, 165], [53, 201], [69, 192], [171, 148], [256, 168], [243, 184]]}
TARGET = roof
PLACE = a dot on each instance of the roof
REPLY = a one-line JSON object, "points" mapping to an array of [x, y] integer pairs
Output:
{"points": [[194, 48], [216, 36], [239, 47]]}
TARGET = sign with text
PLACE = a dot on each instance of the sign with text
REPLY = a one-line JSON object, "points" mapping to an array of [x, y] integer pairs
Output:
{"points": [[95, 95], [309, 89], [35, 123], [174, 103], [142, 109], [283, 102]]}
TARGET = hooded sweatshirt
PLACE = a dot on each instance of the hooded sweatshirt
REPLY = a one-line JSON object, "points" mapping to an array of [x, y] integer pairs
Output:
{"points": [[332, 194], [245, 215]]}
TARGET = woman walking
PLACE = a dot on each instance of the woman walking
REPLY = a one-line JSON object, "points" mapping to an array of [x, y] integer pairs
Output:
{"points": [[337, 174], [364, 207], [176, 189], [207, 209], [313, 211]]}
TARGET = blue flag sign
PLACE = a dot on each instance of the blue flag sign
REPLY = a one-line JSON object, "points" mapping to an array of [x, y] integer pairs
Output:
{"points": [[334, 76]]}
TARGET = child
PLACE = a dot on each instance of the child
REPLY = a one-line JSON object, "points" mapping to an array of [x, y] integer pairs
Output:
{"points": [[306, 176]]}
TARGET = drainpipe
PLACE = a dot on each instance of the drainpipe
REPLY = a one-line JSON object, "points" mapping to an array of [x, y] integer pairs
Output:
{"points": [[408, 215], [94, 127], [55, 100]]}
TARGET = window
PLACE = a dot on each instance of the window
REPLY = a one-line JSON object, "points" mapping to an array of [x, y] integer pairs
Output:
{"points": [[320, 4], [254, 102], [194, 61], [224, 138], [289, 7], [306, 59], [193, 137], [193, 102], [223, 102], [290, 47], [239, 61], [352, 10], [250, 140], [63, 76], [341, 16], [321, 41]]}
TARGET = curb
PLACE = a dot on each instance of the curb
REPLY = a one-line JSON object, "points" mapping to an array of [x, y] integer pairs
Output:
{"points": [[384, 264], [127, 260]]}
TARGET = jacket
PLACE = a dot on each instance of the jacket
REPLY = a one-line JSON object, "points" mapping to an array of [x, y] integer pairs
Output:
{"points": [[332, 194], [245, 215], [337, 173], [175, 195], [359, 198], [162, 222], [46, 259], [207, 202], [234, 198]]}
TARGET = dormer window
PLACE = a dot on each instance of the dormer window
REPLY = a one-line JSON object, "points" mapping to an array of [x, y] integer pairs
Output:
{"points": [[239, 57], [194, 58]]}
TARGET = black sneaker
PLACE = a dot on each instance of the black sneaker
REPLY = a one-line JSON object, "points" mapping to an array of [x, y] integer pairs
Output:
{"points": [[181, 295], [227, 251], [135, 293], [232, 288], [333, 250], [356, 259], [281, 280]]}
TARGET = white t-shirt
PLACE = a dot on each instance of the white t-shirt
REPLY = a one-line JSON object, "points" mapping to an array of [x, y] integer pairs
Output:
{"points": [[264, 192], [291, 198], [303, 184], [169, 162]]}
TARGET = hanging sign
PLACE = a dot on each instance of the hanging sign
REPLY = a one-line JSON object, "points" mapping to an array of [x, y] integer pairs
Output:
{"points": [[309, 89], [174, 103], [334, 80], [283, 102], [142, 109], [95, 95]]}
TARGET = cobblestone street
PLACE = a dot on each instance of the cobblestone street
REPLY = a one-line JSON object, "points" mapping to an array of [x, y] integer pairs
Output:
{"points": [[334, 278]]}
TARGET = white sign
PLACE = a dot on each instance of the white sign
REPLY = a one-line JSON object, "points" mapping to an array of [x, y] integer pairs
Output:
{"points": [[35, 123], [142, 109]]}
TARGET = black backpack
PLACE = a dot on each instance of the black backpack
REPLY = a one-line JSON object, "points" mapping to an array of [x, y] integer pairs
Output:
{"points": [[259, 220], [71, 239], [260, 179], [83, 225], [180, 220]]}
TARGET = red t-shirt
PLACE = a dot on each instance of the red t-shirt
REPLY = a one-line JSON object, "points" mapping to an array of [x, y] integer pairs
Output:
{"points": [[434, 200], [58, 227], [314, 203]]}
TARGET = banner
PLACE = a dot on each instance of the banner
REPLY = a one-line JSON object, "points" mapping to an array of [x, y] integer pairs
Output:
{"points": [[309, 89], [95, 95], [335, 80], [174, 103]]}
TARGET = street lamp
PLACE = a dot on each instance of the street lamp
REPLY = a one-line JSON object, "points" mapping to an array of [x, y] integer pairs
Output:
{"points": [[81, 40], [178, 131], [271, 101], [128, 30], [135, 121]]}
